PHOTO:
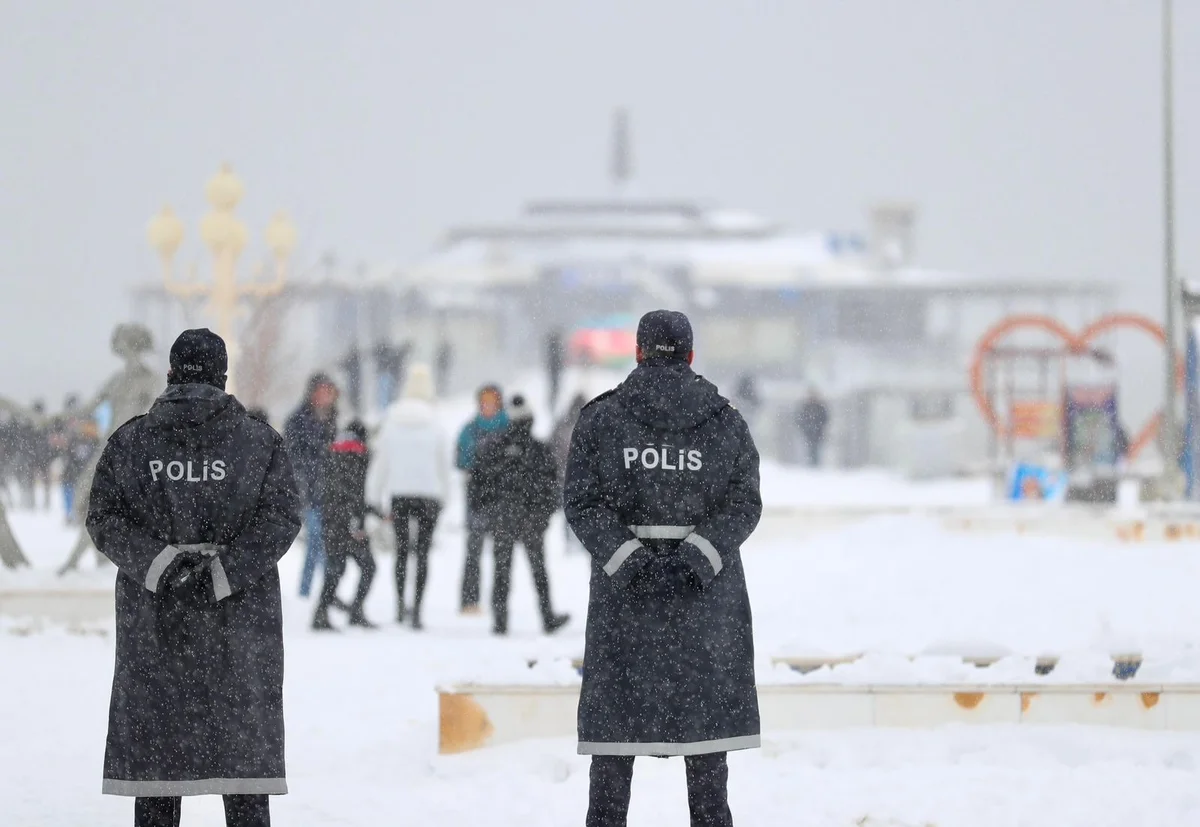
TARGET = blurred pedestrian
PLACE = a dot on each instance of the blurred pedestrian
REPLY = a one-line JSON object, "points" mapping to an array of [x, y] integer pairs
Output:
{"points": [[352, 367], [746, 394], [43, 456], [812, 418], [390, 364], [309, 433], [556, 356], [560, 444], [82, 443], [26, 457], [443, 363], [195, 503], [344, 512], [519, 492], [490, 421], [408, 479]]}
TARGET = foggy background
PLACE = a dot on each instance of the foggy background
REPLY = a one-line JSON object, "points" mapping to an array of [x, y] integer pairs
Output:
{"points": [[1027, 132]]}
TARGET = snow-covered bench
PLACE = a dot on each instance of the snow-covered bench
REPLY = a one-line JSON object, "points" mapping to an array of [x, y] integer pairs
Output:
{"points": [[473, 716], [1124, 665]]}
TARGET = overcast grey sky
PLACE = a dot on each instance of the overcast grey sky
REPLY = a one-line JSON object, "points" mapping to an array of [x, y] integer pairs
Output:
{"points": [[1028, 131]]}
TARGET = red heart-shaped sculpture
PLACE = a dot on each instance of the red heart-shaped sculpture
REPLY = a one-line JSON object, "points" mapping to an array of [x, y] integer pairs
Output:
{"points": [[1076, 342]]}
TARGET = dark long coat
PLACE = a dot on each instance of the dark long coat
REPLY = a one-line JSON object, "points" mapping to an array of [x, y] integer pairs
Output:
{"points": [[663, 472], [197, 696], [517, 481]]}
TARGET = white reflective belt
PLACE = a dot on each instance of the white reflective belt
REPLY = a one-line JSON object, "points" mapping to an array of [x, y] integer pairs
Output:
{"points": [[708, 550], [661, 532], [621, 555]]}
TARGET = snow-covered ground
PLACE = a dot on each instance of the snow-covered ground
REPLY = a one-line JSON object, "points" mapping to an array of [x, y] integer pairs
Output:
{"points": [[361, 707]]}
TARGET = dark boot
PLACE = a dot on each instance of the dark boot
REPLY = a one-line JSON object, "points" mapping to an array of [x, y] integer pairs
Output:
{"points": [[357, 618], [401, 614], [555, 622], [321, 622]]}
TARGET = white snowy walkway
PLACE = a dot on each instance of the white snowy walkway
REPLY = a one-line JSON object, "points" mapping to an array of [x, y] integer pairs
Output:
{"points": [[361, 708]]}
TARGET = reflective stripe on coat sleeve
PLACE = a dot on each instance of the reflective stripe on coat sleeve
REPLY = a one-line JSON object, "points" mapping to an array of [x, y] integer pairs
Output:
{"points": [[220, 582], [159, 566], [621, 555], [708, 550]]}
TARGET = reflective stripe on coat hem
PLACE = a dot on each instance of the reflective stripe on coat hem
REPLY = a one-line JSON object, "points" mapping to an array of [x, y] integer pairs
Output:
{"points": [[620, 556], [204, 786], [661, 532], [693, 748]]}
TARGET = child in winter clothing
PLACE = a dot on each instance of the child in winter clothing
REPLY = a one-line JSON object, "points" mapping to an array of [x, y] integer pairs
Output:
{"points": [[343, 513]]}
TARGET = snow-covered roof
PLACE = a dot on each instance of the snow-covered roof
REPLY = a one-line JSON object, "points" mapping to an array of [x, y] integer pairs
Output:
{"points": [[717, 247]]}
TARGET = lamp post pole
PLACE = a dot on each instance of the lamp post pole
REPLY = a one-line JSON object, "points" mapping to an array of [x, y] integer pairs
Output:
{"points": [[1170, 420]]}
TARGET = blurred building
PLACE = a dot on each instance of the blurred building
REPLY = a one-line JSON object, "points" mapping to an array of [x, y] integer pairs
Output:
{"points": [[852, 315], [849, 314]]}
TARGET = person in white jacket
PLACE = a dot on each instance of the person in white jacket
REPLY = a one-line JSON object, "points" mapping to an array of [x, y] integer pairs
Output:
{"points": [[408, 478]]}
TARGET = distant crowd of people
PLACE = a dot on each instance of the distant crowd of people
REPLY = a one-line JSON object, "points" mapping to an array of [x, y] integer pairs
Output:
{"points": [[401, 475], [39, 453]]}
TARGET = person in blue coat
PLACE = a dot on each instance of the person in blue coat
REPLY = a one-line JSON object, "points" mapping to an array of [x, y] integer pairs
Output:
{"points": [[488, 423], [662, 488]]}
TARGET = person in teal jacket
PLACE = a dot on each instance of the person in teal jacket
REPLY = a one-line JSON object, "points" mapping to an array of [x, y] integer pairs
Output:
{"points": [[490, 421]]}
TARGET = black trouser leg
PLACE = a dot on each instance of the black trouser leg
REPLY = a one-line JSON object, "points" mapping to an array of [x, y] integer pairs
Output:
{"points": [[335, 567], [400, 524], [360, 550], [535, 549], [157, 812], [502, 550], [476, 531], [608, 794], [708, 790], [247, 811], [427, 518]]}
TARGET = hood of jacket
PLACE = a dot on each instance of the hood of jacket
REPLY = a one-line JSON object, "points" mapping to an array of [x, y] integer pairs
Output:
{"points": [[192, 412], [411, 412], [670, 396]]}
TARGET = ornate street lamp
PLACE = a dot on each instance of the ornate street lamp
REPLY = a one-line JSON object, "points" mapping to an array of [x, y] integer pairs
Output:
{"points": [[226, 237]]}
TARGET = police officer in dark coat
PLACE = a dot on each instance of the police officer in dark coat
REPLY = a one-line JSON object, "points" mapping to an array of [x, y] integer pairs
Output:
{"points": [[662, 489], [195, 503], [519, 492]]}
